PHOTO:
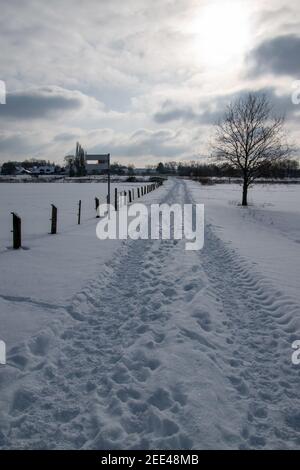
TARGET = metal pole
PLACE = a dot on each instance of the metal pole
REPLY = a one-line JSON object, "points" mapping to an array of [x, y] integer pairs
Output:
{"points": [[108, 180]]}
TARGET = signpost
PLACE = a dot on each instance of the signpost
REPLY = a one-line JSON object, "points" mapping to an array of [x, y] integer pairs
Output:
{"points": [[99, 163]]}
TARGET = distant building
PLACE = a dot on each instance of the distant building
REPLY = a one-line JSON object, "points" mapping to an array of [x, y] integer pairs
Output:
{"points": [[19, 170], [42, 170]]}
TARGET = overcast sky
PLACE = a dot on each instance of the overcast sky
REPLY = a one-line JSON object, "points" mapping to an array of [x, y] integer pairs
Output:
{"points": [[141, 79]]}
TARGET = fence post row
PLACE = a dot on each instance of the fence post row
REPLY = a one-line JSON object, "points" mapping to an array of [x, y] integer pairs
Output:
{"points": [[79, 212], [53, 220], [16, 231], [116, 199], [97, 207], [17, 234]]}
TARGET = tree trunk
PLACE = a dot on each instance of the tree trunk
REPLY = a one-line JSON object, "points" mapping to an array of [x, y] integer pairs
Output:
{"points": [[245, 193]]}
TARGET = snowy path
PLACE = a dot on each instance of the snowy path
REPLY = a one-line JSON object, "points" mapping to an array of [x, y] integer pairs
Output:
{"points": [[165, 349]]}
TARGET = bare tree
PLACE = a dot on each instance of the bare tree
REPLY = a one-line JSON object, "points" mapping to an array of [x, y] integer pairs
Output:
{"points": [[250, 138]]}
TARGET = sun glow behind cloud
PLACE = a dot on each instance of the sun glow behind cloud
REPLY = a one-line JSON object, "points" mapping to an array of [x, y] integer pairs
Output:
{"points": [[176, 59], [221, 33]]}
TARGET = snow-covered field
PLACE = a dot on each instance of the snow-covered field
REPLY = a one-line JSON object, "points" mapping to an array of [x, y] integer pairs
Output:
{"points": [[32, 202], [50, 266], [141, 344]]}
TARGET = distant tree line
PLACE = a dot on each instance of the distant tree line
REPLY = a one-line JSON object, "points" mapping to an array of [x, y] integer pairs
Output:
{"points": [[11, 167], [282, 169], [279, 169]]}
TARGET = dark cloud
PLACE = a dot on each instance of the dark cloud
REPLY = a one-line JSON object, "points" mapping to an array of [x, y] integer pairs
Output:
{"points": [[210, 112], [175, 114], [202, 113], [40, 103], [280, 56]]}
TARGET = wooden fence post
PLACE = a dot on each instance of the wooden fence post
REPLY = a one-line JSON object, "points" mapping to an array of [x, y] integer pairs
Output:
{"points": [[16, 231], [133, 194], [97, 207], [138, 191], [79, 212], [54, 220], [129, 196], [116, 199]]}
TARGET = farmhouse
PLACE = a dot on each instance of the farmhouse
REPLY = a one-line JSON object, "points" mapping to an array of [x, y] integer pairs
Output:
{"points": [[43, 170]]}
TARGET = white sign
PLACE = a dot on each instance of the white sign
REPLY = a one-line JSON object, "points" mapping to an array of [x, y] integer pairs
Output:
{"points": [[97, 162]]}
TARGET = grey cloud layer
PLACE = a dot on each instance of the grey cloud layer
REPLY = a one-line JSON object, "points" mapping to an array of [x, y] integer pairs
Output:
{"points": [[40, 103], [121, 66], [146, 143], [205, 114], [280, 56]]}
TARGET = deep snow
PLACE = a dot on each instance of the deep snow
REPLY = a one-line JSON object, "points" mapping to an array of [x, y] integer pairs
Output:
{"points": [[141, 344]]}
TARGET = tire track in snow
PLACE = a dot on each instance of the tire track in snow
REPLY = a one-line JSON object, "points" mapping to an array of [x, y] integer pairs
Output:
{"points": [[264, 323]]}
